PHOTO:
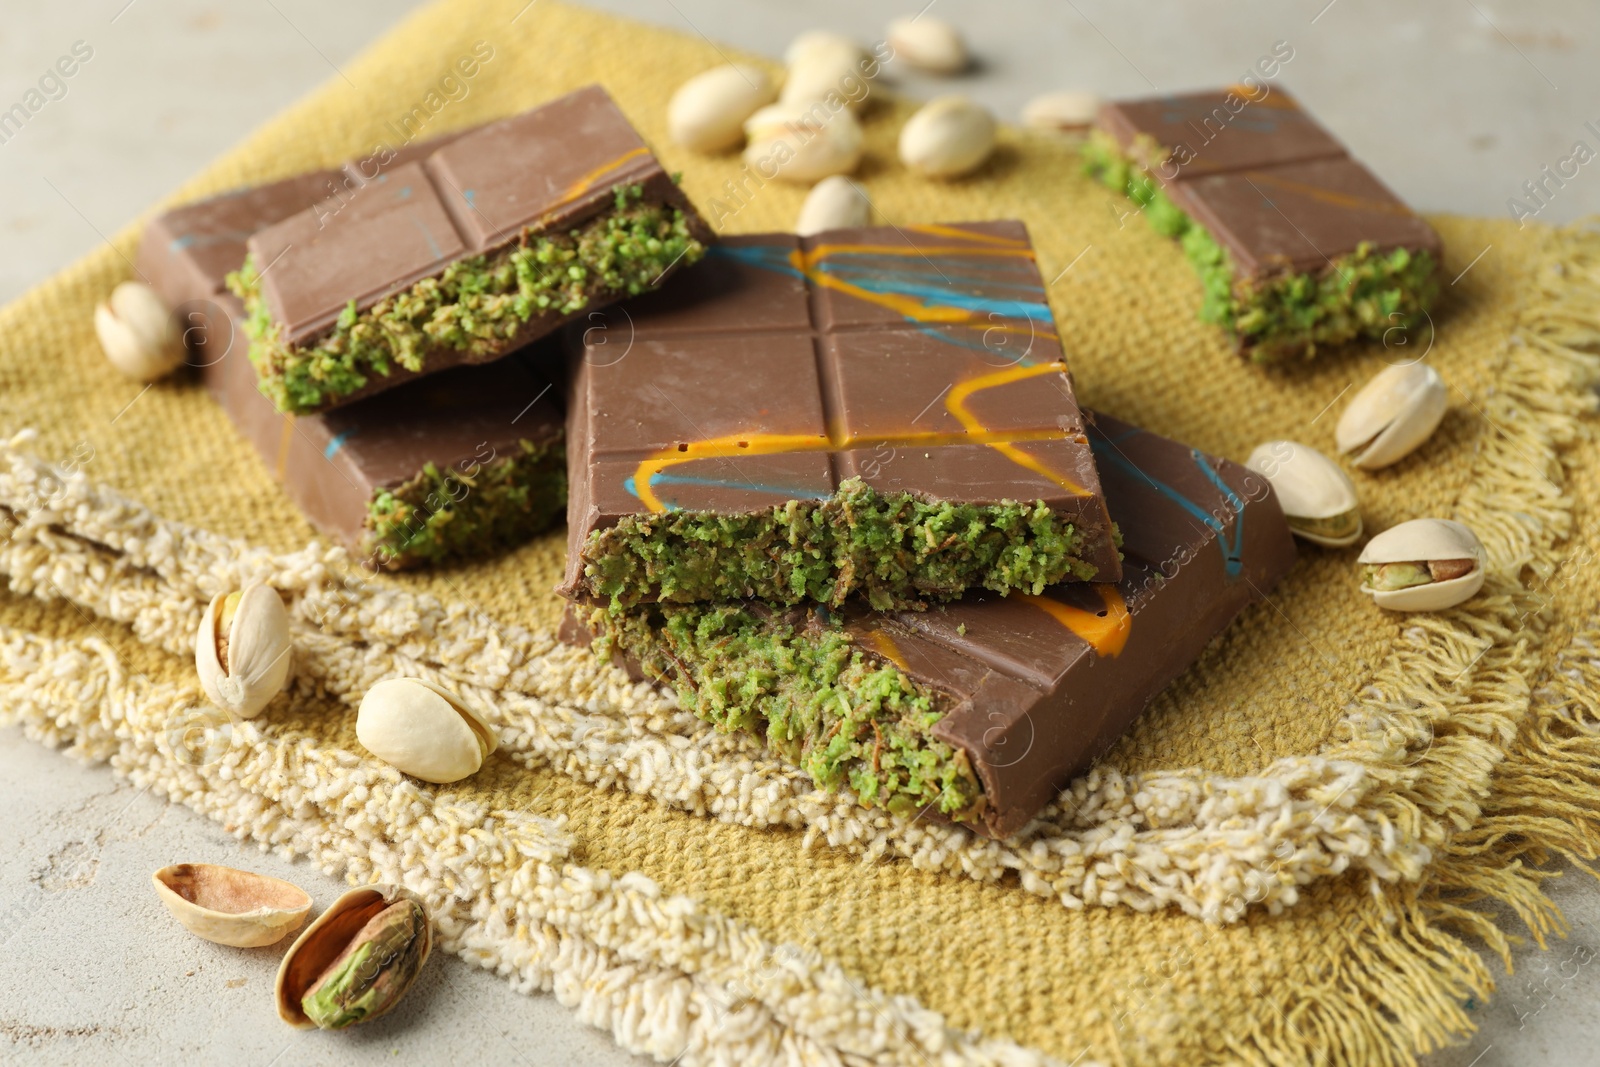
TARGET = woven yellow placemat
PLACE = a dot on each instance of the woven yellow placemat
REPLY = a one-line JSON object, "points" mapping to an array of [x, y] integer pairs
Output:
{"points": [[1282, 861]]}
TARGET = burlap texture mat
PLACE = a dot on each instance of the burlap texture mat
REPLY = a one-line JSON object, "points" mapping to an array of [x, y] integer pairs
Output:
{"points": [[1290, 859]]}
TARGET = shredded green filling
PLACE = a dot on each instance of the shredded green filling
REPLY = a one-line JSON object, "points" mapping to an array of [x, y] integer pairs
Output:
{"points": [[846, 717], [453, 514], [1365, 293], [897, 550], [476, 305]]}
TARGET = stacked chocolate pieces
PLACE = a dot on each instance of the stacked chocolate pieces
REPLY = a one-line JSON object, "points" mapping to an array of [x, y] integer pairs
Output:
{"points": [[470, 457], [1298, 244], [869, 375]]}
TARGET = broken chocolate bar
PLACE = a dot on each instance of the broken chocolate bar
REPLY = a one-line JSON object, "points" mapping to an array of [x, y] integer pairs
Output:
{"points": [[466, 462], [881, 411], [491, 240], [982, 710], [1297, 244]]}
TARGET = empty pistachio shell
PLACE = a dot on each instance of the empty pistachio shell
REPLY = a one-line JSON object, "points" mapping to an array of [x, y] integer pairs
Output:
{"points": [[928, 43], [424, 730], [802, 144], [834, 203], [231, 907], [947, 138], [1316, 496], [138, 335], [1422, 565], [823, 64], [708, 111], [1065, 111], [1393, 414], [356, 961], [242, 649]]}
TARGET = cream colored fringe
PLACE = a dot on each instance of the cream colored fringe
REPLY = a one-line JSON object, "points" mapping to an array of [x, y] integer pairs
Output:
{"points": [[1403, 797]]}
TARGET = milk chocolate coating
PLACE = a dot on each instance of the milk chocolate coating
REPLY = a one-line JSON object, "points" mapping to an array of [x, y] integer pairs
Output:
{"points": [[331, 465], [1269, 184], [1035, 689], [922, 360], [551, 168]]}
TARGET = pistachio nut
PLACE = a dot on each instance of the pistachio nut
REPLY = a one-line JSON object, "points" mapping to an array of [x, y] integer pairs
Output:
{"points": [[834, 203], [138, 335], [231, 907], [802, 143], [928, 43], [1317, 498], [242, 650], [1392, 415], [424, 730], [1422, 565], [1064, 112], [356, 961], [824, 65], [708, 111], [947, 137]]}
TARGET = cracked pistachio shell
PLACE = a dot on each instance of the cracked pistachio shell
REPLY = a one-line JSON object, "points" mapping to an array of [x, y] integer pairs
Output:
{"points": [[138, 335], [231, 907], [356, 961], [947, 138], [1317, 498], [1422, 541], [423, 730], [928, 43], [1392, 415], [803, 143], [834, 203], [708, 111], [1063, 112], [242, 649]]}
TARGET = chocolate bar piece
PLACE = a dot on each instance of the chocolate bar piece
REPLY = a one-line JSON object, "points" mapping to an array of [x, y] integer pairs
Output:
{"points": [[1298, 245], [486, 243], [463, 463], [881, 410], [981, 710]]}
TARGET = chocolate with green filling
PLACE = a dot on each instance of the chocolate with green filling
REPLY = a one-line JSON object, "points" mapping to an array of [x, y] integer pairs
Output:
{"points": [[1297, 244], [454, 466], [981, 710], [490, 241], [883, 411]]}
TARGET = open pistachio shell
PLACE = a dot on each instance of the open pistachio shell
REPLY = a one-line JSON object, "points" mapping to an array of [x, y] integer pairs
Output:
{"points": [[1318, 499], [358, 965], [229, 906], [1424, 542], [1392, 415]]}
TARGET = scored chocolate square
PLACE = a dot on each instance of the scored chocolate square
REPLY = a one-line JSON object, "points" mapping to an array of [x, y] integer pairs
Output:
{"points": [[460, 255], [1214, 130], [875, 410], [1300, 216]]}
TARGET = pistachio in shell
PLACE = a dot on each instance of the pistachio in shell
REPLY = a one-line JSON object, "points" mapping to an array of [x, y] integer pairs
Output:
{"points": [[231, 907], [1318, 499], [1422, 565], [1392, 415], [356, 961]]}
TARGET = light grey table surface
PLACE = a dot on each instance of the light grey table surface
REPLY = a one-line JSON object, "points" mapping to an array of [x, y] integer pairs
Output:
{"points": [[1456, 103]]}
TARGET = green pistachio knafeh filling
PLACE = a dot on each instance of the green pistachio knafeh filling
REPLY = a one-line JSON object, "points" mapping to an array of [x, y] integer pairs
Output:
{"points": [[475, 305]]}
